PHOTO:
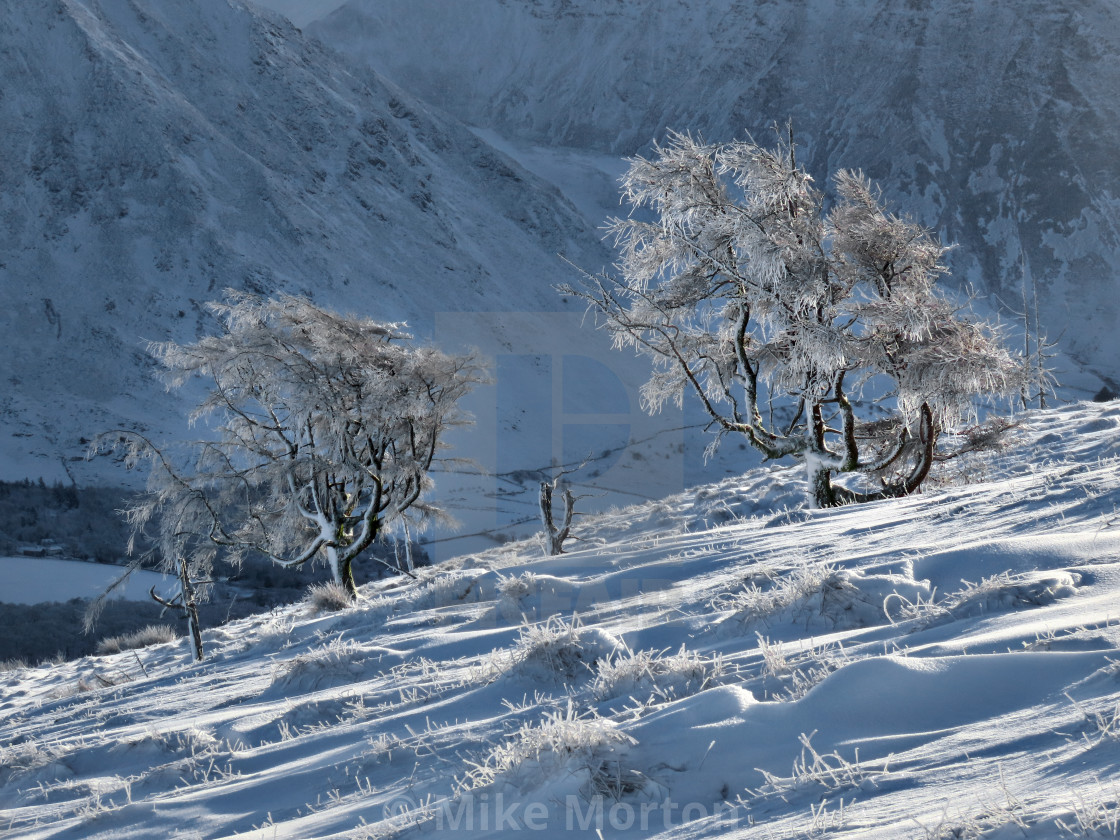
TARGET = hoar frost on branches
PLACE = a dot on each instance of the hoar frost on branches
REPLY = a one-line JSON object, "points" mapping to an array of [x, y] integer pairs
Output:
{"points": [[744, 291], [325, 428]]}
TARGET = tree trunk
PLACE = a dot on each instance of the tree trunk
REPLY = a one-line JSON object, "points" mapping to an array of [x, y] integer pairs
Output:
{"points": [[190, 607], [821, 491], [346, 577], [819, 475], [342, 570], [927, 433], [927, 439], [554, 537]]}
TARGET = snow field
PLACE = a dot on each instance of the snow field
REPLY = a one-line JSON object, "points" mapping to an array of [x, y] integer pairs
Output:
{"points": [[718, 663]]}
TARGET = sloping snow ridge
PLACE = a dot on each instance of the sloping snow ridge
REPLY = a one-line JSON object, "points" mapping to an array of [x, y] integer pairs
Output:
{"points": [[721, 663]]}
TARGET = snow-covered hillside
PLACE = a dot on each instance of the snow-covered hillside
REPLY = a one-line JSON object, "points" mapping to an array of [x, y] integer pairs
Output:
{"points": [[717, 664], [995, 123], [158, 153]]}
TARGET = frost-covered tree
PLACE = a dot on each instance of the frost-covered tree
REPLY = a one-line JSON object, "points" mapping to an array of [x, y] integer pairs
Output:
{"points": [[786, 320], [178, 547], [324, 429]]}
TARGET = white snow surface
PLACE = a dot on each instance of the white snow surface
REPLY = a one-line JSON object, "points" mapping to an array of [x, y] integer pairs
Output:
{"points": [[720, 663]]}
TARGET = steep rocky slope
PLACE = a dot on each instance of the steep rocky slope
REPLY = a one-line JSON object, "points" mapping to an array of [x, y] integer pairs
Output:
{"points": [[995, 123], [155, 154]]}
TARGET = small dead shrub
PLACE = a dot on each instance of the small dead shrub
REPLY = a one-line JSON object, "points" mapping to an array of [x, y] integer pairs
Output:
{"points": [[814, 772], [667, 676], [817, 596], [586, 751], [328, 597], [1093, 816], [559, 649], [511, 591], [794, 672], [995, 593], [153, 634], [334, 663]]}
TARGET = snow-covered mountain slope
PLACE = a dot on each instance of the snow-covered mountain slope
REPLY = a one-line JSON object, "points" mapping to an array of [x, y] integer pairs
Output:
{"points": [[717, 664], [157, 153], [301, 12], [994, 123]]}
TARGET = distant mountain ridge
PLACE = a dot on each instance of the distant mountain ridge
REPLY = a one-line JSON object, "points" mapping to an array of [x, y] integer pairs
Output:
{"points": [[995, 123], [157, 153]]}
